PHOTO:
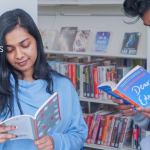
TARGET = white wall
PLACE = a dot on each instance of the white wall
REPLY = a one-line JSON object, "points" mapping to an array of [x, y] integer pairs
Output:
{"points": [[30, 6]]}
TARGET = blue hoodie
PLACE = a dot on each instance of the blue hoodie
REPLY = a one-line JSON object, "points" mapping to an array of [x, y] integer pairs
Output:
{"points": [[70, 133]]}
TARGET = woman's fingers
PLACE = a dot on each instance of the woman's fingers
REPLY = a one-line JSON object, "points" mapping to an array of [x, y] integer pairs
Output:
{"points": [[8, 136], [7, 128]]}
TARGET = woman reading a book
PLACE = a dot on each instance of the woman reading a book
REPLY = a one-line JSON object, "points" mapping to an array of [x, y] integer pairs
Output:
{"points": [[27, 81], [141, 10]]}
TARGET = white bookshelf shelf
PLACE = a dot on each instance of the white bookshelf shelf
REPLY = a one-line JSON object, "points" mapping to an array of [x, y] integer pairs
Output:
{"points": [[96, 100], [100, 2], [106, 147], [96, 54]]}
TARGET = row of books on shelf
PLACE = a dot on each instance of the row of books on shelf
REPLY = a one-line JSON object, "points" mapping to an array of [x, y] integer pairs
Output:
{"points": [[87, 76], [112, 129], [72, 39]]}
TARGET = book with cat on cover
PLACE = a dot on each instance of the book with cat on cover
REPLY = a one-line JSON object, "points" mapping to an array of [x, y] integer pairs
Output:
{"points": [[134, 87], [29, 127]]}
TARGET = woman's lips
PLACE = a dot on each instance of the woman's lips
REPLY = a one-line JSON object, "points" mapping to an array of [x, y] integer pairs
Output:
{"points": [[23, 63]]}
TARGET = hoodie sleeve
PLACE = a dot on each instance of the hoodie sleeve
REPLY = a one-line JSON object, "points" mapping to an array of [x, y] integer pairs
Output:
{"points": [[76, 134], [1, 146], [141, 121]]}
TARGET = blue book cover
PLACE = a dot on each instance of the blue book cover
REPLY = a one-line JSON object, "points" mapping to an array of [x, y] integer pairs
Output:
{"points": [[134, 87], [101, 41]]}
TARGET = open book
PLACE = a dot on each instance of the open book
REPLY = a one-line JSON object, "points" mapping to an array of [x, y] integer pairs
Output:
{"points": [[29, 127], [134, 87]]}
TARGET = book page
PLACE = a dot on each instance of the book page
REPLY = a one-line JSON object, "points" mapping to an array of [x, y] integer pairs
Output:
{"points": [[48, 116], [23, 122]]}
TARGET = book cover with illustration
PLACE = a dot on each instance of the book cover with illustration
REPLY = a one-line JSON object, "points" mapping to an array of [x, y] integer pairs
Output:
{"points": [[130, 43], [134, 87], [101, 42], [81, 40], [29, 127], [49, 38], [66, 39]]}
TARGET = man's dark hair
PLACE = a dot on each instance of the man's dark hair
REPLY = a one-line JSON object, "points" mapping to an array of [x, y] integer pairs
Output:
{"points": [[135, 8]]}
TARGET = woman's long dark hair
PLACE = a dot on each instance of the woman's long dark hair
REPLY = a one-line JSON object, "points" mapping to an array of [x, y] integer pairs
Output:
{"points": [[8, 21], [135, 8]]}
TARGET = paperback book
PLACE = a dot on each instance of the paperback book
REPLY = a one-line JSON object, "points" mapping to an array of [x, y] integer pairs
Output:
{"points": [[101, 42], [134, 87], [29, 127], [81, 40], [49, 38], [130, 43], [66, 39]]}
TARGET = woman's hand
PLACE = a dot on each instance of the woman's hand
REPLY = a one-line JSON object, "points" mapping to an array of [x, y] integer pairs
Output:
{"points": [[144, 111], [45, 143], [4, 136], [126, 110]]}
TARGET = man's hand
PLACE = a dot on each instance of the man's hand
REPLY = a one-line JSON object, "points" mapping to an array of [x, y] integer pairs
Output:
{"points": [[126, 110], [45, 143], [144, 111]]}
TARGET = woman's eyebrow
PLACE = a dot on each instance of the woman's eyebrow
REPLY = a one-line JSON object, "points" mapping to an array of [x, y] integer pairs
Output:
{"points": [[19, 42]]}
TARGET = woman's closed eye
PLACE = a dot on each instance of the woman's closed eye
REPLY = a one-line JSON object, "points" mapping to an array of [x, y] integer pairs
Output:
{"points": [[25, 46]]}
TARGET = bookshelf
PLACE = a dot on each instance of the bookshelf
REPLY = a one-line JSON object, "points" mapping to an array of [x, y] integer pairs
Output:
{"points": [[96, 15]]}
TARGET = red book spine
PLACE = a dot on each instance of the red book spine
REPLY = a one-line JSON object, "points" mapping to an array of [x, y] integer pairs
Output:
{"points": [[102, 123], [95, 76], [70, 71], [109, 79], [74, 75], [88, 121], [88, 140]]}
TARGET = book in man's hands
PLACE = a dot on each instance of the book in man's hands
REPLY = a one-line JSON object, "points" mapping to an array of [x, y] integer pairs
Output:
{"points": [[134, 87], [29, 127]]}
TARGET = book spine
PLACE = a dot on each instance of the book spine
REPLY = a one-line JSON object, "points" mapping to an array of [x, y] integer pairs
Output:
{"points": [[95, 130], [108, 79], [91, 80], [84, 83], [81, 80], [88, 140], [96, 91], [88, 122], [87, 81], [108, 131], [139, 138], [125, 98], [74, 75], [114, 135], [102, 123], [111, 130], [78, 79], [119, 133], [70, 72], [103, 71], [123, 133], [135, 136], [105, 130], [99, 82]]}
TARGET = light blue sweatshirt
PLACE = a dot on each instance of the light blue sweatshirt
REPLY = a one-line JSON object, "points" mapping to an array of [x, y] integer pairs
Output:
{"points": [[70, 133]]}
